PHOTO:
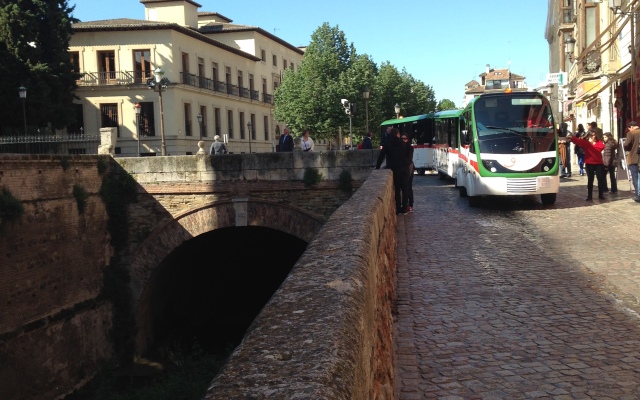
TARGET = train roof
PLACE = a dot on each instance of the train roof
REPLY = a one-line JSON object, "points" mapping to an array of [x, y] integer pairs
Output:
{"points": [[448, 113], [406, 119]]}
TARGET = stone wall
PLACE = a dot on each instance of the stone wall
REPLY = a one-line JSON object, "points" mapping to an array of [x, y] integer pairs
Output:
{"points": [[327, 332], [53, 328]]}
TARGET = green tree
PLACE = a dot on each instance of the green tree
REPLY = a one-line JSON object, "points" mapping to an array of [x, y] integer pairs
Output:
{"points": [[310, 97], [332, 70], [34, 42], [446, 104]]}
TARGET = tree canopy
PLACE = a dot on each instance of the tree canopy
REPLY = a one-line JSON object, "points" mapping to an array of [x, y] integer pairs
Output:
{"points": [[34, 43], [445, 104], [309, 98]]}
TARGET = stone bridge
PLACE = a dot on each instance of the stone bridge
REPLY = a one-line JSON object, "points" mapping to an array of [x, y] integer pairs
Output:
{"points": [[333, 314]]}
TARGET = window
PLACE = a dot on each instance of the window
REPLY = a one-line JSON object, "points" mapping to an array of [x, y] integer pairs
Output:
{"points": [[109, 116], [253, 126], [216, 121], [230, 123], [203, 129], [201, 74], [141, 65], [263, 55], [187, 119], [275, 60], [74, 57], [265, 122], [241, 114], [228, 78], [591, 25], [106, 67], [147, 119], [566, 8], [284, 64], [214, 72], [185, 62]]}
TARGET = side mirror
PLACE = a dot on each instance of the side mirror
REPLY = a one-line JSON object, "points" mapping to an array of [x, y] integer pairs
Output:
{"points": [[465, 136]]}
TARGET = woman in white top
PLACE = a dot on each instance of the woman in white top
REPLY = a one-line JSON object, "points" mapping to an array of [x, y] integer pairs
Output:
{"points": [[306, 144]]}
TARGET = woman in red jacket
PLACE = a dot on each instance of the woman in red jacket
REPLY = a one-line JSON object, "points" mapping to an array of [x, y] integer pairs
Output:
{"points": [[593, 147]]}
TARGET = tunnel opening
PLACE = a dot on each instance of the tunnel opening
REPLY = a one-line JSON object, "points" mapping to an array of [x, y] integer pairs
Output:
{"points": [[204, 296], [209, 290]]}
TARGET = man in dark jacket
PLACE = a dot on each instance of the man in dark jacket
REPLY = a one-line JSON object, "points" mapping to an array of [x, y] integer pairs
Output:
{"points": [[399, 161]]}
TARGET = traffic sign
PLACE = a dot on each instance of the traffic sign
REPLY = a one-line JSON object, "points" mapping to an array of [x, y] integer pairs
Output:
{"points": [[559, 78]]}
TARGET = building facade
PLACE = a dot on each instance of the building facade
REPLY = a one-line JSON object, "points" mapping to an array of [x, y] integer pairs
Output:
{"points": [[221, 79], [493, 80], [593, 41]]}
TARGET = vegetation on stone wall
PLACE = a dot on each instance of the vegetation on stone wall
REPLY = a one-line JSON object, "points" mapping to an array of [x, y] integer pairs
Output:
{"points": [[118, 190], [311, 176], [10, 207], [345, 181], [81, 197], [64, 163]]}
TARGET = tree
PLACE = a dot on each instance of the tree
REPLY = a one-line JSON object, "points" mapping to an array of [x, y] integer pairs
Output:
{"points": [[34, 42], [309, 98], [332, 70], [446, 104]]}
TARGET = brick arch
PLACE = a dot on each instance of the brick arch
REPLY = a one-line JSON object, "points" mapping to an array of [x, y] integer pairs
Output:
{"points": [[189, 224]]}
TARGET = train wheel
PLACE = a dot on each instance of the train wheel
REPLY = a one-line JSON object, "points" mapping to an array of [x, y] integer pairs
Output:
{"points": [[475, 201], [441, 175], [463, 191], [548, 198]]}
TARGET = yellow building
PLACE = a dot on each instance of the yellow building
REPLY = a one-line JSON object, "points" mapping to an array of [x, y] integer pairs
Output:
{"points": [[219, 73]]}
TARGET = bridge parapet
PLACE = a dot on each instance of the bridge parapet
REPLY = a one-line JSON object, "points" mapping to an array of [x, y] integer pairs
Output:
{"points": [[254, 166]]}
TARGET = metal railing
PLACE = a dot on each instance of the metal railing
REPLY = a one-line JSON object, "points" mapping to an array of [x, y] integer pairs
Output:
{"points": [[50, 144], [114, 78]]}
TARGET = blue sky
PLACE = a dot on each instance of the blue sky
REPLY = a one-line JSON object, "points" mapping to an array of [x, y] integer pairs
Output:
{"points": [[443, 43]]}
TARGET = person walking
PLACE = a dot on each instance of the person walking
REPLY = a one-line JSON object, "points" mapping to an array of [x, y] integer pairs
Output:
{"points": [[286, 141], [593, 147], [398, 160], [406, 141], [565, 150], [609, 158], [217, 147], [631, 145], [306, 143], [579, 151]]}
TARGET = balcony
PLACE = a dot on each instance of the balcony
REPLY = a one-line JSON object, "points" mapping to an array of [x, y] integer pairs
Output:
{"points": [[123, 78]]}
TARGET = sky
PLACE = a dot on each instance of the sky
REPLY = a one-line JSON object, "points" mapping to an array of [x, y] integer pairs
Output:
{"points": [[443, 43]]}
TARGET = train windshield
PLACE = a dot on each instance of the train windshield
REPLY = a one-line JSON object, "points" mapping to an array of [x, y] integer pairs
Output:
{"points": [[514, 124]]}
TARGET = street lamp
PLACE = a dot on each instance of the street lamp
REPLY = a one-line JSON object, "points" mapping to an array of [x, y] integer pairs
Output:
{"points": [[159, 84], [348, 109], [137, 107], [397, 109], [250, 134], [22, 91], [199, 116], [569, 46], [365, 94]]}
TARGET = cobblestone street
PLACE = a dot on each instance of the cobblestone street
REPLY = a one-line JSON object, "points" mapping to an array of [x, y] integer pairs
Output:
{"points": [[515, 300]]}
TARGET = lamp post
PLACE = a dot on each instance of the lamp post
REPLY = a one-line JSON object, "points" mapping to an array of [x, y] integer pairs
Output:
{"points": [[397, 110], [159, 84], [365, 95], [250, 134], [137, 108], [199, 116], [22, 91], [569, 46]]}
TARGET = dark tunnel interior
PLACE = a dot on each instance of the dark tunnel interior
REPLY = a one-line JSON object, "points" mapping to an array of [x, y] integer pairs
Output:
{"points": [[212, 287]]}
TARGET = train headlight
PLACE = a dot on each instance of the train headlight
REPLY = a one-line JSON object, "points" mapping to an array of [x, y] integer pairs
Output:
{"points": [[490, 165]]}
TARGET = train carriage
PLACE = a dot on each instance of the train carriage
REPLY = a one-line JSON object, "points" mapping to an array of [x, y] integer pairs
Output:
{"points": [[508, 146], [420, 130]]}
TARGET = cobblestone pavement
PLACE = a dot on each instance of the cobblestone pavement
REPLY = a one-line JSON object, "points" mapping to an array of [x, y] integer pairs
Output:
{"points": [[516, 300]]}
